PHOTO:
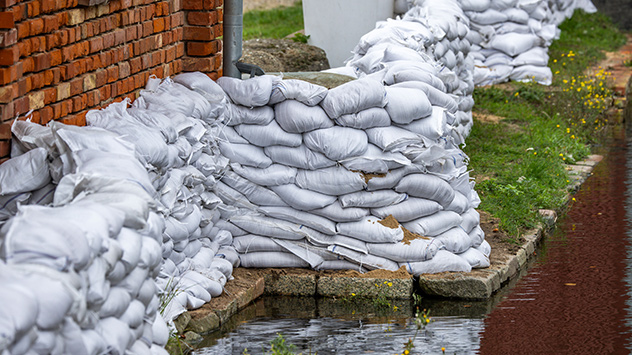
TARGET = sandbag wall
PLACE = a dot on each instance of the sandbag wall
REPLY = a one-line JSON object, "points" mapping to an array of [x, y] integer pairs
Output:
{"points": [[367, 175], [427, 48], [510, 38], [84, 273]]}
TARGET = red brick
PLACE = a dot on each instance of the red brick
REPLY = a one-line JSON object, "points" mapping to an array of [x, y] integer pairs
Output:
{"points": [[198, 64], [112, 74], [42, 61], [108, 40], [38, 44], [33, 8], [79, 102], [76, 86], [202, 18], [6, 20], [55, 58], [193, 4], [7, 3], [46, 114], [8, 56], [135, 65], [48, 6], [51, 23], [27, 65], [148, 28], [8, 75], [96, 44], [52, 41], [7, 92], [159, 24], [21, 105], [198, 33], [23, 29], [171, 54], [5, 148], [36, 26], [50, 95], [6, 112], [93, 98], [5, 131], [201, 49]]}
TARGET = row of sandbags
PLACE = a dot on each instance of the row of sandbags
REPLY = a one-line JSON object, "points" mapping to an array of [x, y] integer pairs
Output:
{"points": [[77, 269], [426, 48], [510, 38], [362, 176], [109, 230]]}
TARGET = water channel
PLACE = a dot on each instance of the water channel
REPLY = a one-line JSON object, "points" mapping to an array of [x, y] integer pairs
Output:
{"points": [[574, 299]]}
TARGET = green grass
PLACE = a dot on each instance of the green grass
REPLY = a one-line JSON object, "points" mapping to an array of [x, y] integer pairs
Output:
{"points": [[520, 161], [275, 23]]}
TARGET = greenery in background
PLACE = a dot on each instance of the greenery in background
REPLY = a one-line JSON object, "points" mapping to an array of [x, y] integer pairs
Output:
{"points": [[275, 23], [519, 162]]}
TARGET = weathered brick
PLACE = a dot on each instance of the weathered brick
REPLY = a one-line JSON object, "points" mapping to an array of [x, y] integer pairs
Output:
{"points": [[159, 24], [21, 105], [6, 112], [50, 95], [5, 131], [63, 91], [197, 64], [75, 16], [124, 70], [202, 18], [8, 56], [51, 23], [96, 44], [148, 28], [198, 33], [46, 114], [76, 86], [5, 148], [201, 49], [42, 61], [55, 57], [89, 82], [23, 29], [33, 8], [36, 26], [7, 93], [36, 100], [112, 74], [8, 75], [8, 38]]}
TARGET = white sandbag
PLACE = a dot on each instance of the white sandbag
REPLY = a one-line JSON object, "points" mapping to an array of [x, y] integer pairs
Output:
{"points": [[455, 240], [245, 154], [301, 199], [252, 243], [391, 178], [537, 56], [299, 90], [337, 213], [487, 17], [475, 258], [330, 181], [131, 243], [270, 227], [369, 229], [371, 199], [115, 333], [251, 92], [471, 219], [256, 194], [222, 265], [474, 5], [426, 186], [354, 96], [323, 241], [433, 126], [392, 138], [9, 204], [271, 259], [527, 73], [328, 142], [133, 315], [116, 303], [31, 135], [369, 118], [203, 85], [24, 173], [229, 253], [232, 197], [71, 138], [298, 157], [374, 160], [268, 135], [477, 236], [492, 74], [275, 174], [434, 224], [460, 204], [18, 319], [435, 96], [296, 117], [341, 265], [484, 248], [62, 245], [313, 259], [289, 214], [516, 15], [408, 210], [369, 261], [160, 331], [442, 261], [228, 133], [419, 249], [237, 114], [514, 43]]}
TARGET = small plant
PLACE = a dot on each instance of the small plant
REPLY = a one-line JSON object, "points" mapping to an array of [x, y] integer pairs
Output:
{"points": [[627, 63], [422, 319], [381, 300], [300, 38]]}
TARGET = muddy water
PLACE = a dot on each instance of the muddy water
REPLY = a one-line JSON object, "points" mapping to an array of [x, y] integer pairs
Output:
{"points": [[575, 298]]}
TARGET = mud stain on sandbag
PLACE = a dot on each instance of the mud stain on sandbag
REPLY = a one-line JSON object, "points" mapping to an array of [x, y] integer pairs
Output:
{"points": [[390, 222]]}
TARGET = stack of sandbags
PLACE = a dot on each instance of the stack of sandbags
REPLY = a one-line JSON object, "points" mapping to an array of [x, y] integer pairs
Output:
{"points": [[322, 178], [173, 126], [510, 38], [428, 50], [79, 274]]}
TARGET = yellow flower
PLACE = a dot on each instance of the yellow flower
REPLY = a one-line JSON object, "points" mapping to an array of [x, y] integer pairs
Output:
{"points": [[535, 153], [390, 284], [395, 308], [406, 352], [352, 294], [442, 349], [561, 154], [574, 199], [385, 282], [572, 137]]}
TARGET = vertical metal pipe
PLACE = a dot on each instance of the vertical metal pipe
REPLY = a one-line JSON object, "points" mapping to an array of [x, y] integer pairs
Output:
{"points": [[233, 36]]}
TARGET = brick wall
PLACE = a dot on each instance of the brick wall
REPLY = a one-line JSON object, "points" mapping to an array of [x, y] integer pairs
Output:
{"points": [[61, 58]]}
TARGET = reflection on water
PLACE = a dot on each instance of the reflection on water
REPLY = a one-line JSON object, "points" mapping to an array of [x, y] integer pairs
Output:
{"points": [[575, 299]]}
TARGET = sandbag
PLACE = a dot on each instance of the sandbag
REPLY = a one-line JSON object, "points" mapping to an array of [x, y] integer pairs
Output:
{"points": [[275, 174], [268, 135], [296, 117], [327, 141], [299, 90], [433, 224], [25, 173], [369, 118], [442, 261], [408, 210], [371, 199], [354, 96], [252, 92], [301, 199], [369, 229], [330, 181], [298, 157], [415, 250]]}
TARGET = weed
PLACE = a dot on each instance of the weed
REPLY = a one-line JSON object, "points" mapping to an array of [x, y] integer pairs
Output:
{"points": [[300, 38]]}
